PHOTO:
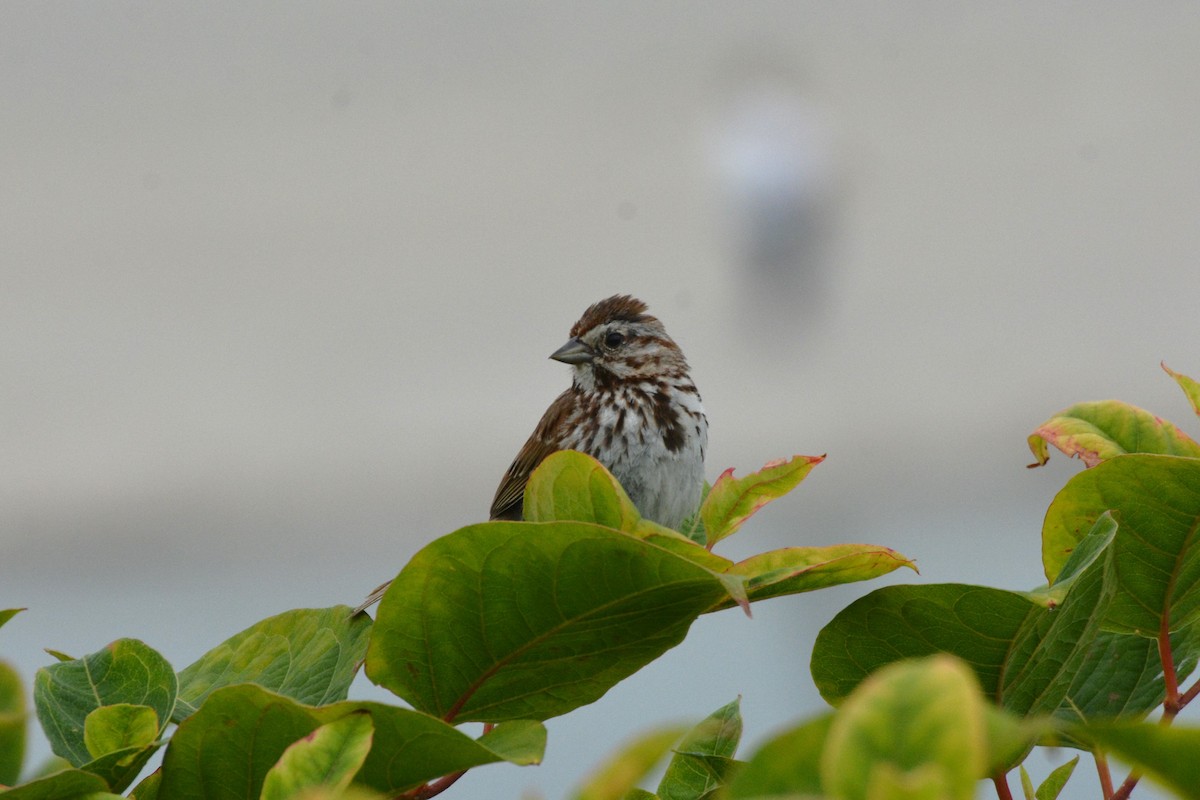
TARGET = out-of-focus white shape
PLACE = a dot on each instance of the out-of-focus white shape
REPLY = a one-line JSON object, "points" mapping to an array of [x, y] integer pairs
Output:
{"points": [[775, 166]]}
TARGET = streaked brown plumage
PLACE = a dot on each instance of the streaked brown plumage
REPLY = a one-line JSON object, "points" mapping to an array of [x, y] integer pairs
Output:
{"points": [[631, 405]]}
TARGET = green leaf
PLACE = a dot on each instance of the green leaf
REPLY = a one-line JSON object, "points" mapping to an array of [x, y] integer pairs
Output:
{"points": [[120, 738], [693, 526], [734, 500], [572, 486], [1166, 755], [67, 785], [703, 760], [520, 742], [508, 620], [716, 735], [48, 766], [308, 654], [119, 768], [1097, 431], [926, 782], [115, 727], [683, 547], [1023, 655], [353, 792], [1191, 388], [148, 788], [8, 613], [1121, 675], [788, 764], [1026, 784], [1156, 500], [975, 623], [127, 671], [1056, 780], [1030, 658], [1050, 647], [1011, 738], [328, 757], [793, 570], [226, 748], [915, 728], [1087, 551], [411, 748], [12, 724], [619, 774]]}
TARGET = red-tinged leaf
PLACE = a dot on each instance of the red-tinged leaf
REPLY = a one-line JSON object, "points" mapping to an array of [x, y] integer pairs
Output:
{"points": [[1190, 387], [1099, 430], [734, 500], [793, 570]]}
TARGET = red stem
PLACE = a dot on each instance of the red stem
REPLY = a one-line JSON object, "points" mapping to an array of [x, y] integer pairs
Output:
{"points": [[1105, 775], [1189, 695], [443, 783], [432, 788], [1000, 780], [1171, 704], [1127, 787]]}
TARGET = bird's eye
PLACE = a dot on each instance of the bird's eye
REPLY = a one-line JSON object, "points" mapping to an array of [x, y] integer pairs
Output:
{"points": [[613, 340]]}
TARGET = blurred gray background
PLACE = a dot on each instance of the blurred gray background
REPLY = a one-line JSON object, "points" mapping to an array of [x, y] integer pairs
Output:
{"points": [[278, 285]]}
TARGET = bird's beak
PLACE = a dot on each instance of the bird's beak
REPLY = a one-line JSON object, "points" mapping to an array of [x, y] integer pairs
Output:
{"points": [[574, 352]]}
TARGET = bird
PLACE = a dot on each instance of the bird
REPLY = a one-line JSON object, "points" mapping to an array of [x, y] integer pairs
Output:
{"points": [[632, 405]]}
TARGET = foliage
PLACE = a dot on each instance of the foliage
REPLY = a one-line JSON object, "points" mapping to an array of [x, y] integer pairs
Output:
{"points": [[506, 623], [934, 687]]}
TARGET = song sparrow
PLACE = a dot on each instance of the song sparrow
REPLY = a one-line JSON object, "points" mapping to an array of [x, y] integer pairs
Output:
{"points": [[632, 406]]}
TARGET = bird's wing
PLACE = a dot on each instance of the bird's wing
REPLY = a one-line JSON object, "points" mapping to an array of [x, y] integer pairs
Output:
{"points": [[510, 494]]}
